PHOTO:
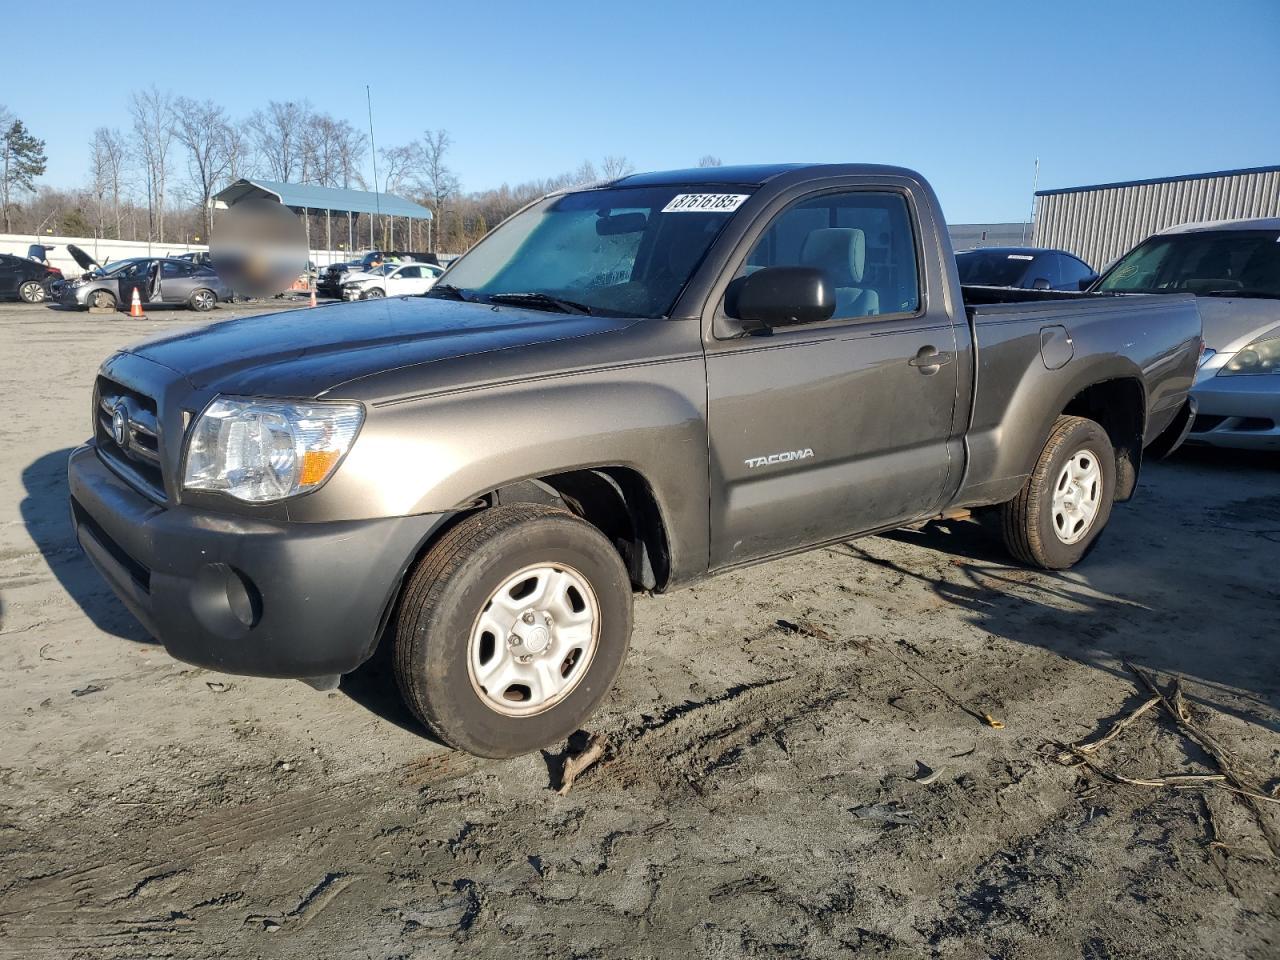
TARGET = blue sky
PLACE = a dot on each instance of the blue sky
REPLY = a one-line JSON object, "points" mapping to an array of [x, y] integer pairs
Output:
{"points": [[968, 93]]}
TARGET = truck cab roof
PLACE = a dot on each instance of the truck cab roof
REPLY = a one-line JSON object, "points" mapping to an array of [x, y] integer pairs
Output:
{"points": [[754, 174]]}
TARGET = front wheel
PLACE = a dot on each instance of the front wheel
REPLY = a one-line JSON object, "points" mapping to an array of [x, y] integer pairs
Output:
{"points": [[512, 629], [1066, 502], [32, 292], [102, 300], [373, 293]]}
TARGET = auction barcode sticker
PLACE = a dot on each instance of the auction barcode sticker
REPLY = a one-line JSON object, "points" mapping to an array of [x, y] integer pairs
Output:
{"points": [[705, 202]]}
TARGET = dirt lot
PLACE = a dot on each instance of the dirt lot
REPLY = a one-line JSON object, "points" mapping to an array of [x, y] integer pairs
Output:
{"points": [[788, 778]]}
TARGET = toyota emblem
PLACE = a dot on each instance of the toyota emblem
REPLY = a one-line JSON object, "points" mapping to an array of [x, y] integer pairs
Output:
{"points": [[120, 424]]}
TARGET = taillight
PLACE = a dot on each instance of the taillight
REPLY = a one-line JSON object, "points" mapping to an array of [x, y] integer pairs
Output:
{"points": [[54, 271]]}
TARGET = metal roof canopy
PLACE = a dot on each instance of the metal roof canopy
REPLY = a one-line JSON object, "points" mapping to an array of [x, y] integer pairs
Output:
{"points": [[300, 196]]}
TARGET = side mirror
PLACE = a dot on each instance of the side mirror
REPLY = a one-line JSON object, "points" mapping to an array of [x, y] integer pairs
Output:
{"points": [[1088, 281], [783, 296], [1040, 283]]}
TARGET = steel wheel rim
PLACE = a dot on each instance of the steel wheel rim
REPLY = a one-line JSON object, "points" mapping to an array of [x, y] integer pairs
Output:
{"points": [[534, 640], [101, 300], [1077, 495]]}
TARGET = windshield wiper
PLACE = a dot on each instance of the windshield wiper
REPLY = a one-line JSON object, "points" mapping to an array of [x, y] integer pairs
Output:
{"points": [[450, 292], [540, 301]]}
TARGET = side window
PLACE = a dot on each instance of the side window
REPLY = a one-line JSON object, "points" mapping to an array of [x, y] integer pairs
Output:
{"points": [[410, 273], [1044, 267], [171, 270], [1073, 271], [863, 241]]}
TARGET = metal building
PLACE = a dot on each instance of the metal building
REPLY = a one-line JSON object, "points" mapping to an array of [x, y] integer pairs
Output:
{"points": [[969, 236], [1101, 222]]}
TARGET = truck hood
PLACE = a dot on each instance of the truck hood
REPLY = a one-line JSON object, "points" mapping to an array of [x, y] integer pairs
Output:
{"points": [[312, 352], [1231, 323]]}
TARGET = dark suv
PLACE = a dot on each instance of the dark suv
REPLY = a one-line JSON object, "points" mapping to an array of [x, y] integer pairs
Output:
{"points": [[26, 279]]}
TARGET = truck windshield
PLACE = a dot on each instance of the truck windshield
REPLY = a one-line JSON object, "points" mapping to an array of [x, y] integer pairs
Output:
{"points": [[1224, 263], [986, 268], [626, 251]]}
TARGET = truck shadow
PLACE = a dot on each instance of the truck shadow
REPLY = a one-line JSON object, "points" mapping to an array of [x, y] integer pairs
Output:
{"points": [[373, 686], [46, 517], [1206, 625]]}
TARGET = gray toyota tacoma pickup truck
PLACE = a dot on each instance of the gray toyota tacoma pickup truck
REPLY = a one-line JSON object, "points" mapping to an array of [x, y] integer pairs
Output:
{"points": [[622, 388]]}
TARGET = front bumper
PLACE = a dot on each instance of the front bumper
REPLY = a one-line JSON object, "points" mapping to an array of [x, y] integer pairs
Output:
{"points": [[1239, 411], [240, 595]]}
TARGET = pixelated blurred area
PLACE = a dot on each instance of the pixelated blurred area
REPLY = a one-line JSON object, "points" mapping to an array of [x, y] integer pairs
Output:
{"points": [[259, 247]]}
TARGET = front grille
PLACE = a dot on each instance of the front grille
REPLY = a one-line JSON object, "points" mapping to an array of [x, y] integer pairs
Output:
{"points": [[136, 455]]}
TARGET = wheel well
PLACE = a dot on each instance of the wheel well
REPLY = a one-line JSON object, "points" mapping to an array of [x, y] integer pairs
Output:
{"points": [[617, 501], [1119, 407]]}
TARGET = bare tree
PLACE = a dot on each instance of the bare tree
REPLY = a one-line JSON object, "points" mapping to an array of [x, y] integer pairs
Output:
{"points": [[709, 160], [109, 152], [279, 135], [612, 167], [586, 173], [153, 124], [201, 127], [237, 147], [437, 179], [349, 144]]}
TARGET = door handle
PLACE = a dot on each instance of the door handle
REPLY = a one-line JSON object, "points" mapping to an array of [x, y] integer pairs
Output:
{"points": [[928, 360]]}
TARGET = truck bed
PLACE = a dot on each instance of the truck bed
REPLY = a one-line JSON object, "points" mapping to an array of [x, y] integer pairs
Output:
{"points": [[1030, 349]]}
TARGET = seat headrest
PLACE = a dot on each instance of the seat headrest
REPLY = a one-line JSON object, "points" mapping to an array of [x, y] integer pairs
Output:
{"points": [[841, 251]]}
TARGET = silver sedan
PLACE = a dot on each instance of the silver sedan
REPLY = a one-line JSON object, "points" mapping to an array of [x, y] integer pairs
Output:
{"points": [[1233, 268]]}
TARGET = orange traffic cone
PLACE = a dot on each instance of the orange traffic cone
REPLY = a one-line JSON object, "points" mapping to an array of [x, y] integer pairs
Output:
{"points": [[313, 296], [135, 308]]}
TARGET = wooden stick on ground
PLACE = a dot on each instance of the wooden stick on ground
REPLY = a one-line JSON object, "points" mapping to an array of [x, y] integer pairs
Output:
{"points": [[1242, 779], [576, 764]]}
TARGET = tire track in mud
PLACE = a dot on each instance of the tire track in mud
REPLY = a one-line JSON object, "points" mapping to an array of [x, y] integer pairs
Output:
{"points": [[105, 908]]}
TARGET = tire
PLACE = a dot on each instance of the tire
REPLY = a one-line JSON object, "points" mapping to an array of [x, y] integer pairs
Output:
{"points": [[202, 300], [1053, 531], [374, 293], [102, 299], [32, 291], [455, 602]]}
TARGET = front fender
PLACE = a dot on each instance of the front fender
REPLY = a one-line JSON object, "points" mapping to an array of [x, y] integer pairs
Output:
{"points": [[439, 453]]}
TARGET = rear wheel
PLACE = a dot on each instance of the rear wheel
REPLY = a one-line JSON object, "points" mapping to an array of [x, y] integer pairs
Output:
{"points": [[202, 300], [1066, 502], [32, 292], [512, 629]]}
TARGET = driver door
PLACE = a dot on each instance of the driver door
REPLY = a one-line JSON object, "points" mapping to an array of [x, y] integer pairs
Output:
{"points": [[830, 429], [136, 276]]}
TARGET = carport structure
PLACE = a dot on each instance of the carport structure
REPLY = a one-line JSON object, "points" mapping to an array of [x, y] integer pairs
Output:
{"points": [[305, 199]]}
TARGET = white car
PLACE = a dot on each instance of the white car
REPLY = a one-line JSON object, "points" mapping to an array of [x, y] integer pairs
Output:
{"points": [[391, 280]]}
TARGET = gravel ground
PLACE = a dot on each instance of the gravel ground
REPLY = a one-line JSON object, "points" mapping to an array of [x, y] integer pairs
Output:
{"points": [[800, 763]]}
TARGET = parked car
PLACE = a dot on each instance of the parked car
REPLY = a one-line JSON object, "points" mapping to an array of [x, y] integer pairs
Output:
{"points": [[1233, 267], [158, 280], [391, 280], [625, 387], [332, 277], [25, 278], [1029, 268]]}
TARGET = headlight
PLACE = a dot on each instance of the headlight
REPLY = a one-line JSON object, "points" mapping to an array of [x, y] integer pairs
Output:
{"points": [[261, 450], [1261, 356]]}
